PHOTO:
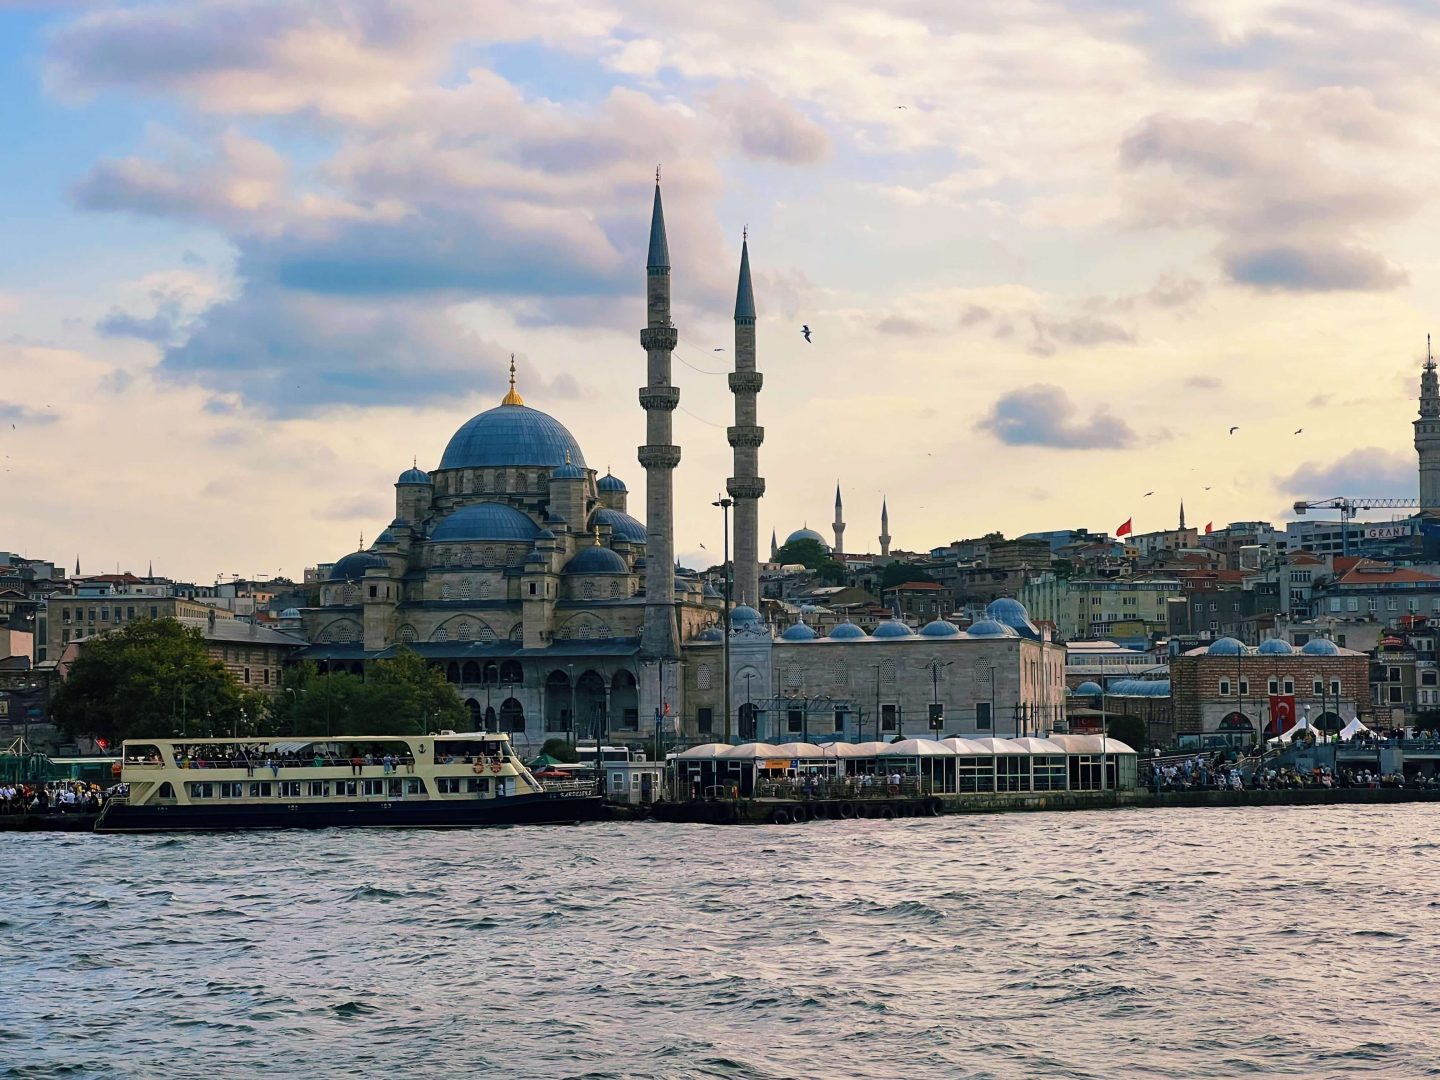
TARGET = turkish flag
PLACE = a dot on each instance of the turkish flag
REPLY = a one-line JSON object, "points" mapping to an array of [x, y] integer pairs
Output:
{"points": [[1126, 529], [1282, 713], [1209, 527]]}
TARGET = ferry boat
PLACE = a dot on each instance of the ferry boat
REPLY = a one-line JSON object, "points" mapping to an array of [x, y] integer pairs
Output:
{"points": [[443, 780]]}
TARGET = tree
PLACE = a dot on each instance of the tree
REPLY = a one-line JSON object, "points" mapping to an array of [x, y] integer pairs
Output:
{"points": [[1130, 730], [400, 696], [833, 571], [808, 553], [151, 678], [897, 573], [560, 750]]}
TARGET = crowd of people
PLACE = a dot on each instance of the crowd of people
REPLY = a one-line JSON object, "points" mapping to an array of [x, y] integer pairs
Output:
{"points": [[1199, 773], [51, 797]]}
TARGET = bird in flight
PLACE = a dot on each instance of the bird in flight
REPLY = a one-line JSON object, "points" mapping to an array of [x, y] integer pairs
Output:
{"points": [[1298, 430], [899, 106], [1207, 489], [1147, 494], [1234, 429], [806, 331], [717, 349]]}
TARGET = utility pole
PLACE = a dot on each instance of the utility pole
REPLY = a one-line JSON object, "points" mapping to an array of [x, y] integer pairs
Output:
{"points": [[724, 504]]}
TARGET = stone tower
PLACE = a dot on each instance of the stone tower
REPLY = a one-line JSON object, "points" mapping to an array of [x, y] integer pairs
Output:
{"points": [[1427, 435], [659, 456], [1182, 515], [746, 486], [838, 525], [884, 527]]}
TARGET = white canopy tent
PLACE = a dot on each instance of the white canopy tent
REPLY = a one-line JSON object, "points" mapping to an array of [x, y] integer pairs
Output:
{"points": [[1352, 729]]}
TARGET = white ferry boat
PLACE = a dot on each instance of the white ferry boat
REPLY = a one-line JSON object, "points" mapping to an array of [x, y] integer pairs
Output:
{"points": [[444, 780]]}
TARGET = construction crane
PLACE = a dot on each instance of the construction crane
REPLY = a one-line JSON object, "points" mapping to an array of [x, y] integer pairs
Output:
{"points": [[1347, 507]]}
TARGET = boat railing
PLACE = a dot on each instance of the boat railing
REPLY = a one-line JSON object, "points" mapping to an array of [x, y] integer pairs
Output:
{"points": [[843, 788], [569, 787]]}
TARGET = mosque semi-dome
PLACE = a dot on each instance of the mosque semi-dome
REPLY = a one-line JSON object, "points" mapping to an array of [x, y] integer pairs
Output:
{"points": [[847, 631], [1274, 647], [1320, 647], [622, 525], [1226, 646], [511, 435], [596, 560], [799, 632], [353, 566], [485, 521]]}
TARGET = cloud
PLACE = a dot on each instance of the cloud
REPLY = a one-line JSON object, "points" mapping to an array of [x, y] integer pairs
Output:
{"points": [[1080, 331], [902, 326], [356, 507], [16, 414], [1361, 473], [161, 328], [1203, 382], [1318, 267], [765, 128], [1042, 415]]}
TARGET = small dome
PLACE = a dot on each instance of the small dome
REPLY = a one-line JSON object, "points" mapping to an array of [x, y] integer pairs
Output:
{"points": [[486, 521], [714, 633], [414, 476], [387, 536], [1274, 647], [290, 613], [1089, 689], [545, 534], [712, 593], [847, 631], [1320, 647], [939, 628], [353, 566], [807, 534], [611, 483], [568, 471], [807, 609], [596, 560], [799, 632], [893, 628], [744, 615], [1226, 646], [622, 525], [989, 628], [1012, 613]]}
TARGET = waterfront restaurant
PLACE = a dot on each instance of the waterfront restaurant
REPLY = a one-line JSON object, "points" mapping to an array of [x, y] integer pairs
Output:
{"points": [[950, 767]]}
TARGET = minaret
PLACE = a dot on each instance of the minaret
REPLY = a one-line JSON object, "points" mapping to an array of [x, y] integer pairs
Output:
{"points": [[774, 546], [746, 486], [1427, 435], [839, 524], [884, 527], [659, 456], [1182, 515]]}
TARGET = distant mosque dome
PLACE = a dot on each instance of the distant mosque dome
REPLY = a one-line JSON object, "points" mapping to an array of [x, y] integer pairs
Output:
{"points": [[414, 476], [596, 560], [714, 633], [611, 483], [353, 566], [1012, 613], [807, 534], [940, 628], [290, 613], [744, 615], [892, 628], [1089, 689], [799, 632], [1320, 647], [989, 628], [1226, 646], [847, 631], [622, 525], [486, 521], [1274, 647]]}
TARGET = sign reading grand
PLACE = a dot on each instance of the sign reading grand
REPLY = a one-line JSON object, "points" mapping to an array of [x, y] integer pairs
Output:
{"points": [[1386, 532]]}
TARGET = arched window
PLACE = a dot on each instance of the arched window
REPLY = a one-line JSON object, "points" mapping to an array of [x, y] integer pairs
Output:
{"points": [[614, 590], [703, 675], [466, 585], [485, 634], [470, 673], [442, 634], [484, 590], [465, 631], [492, 555], [452, 672], [467, 553], [445, 590], [512, 672], [406, 634], [491, 674], [349, 593], [587, 590]]}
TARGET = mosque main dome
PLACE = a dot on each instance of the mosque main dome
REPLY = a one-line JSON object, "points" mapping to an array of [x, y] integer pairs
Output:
{"points": [[511, 435]]}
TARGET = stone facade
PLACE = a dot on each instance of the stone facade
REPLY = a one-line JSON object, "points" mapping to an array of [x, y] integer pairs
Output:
{"points": [[1215, 694]]}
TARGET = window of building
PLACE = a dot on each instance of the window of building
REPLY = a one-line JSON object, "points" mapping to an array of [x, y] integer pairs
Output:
{"points": [[1289, 686], [1392, 604], [795, 720], [247, 674], [373, 591], [1334, 603], [705, 721], [154, 612], [839, 719], [982, 715], [1244, 687], [1396, 695], [533, 590], [888, 715], [1335, 687], [1393, 674], [1412, 605], [1224, 687], [129, 613], [1352, 604], [1273, 687], [1319, 686], [1430, 677]]}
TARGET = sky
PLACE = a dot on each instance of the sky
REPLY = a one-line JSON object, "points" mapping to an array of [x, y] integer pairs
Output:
{"points": [[259, 255]]}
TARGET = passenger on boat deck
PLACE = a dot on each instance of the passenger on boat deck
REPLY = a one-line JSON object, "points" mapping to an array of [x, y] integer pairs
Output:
{"points": [[357, 764]]}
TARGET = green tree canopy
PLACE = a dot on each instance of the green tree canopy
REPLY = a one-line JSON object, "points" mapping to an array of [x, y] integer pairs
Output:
{"points": [[809, 553], [897, 573], [400, 696], [832, 571], [152, 678], [560, 750], [1130, 730]]}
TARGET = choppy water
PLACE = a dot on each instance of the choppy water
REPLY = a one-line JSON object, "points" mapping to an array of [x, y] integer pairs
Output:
{"points": [[1163, 943]]}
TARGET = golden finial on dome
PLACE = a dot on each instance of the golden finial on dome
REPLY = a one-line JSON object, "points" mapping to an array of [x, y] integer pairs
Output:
{"points": [[513, 397], [597, 534]]}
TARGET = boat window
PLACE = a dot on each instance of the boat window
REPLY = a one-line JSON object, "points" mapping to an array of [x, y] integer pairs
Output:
{"points": [[289, 789], [232, 790], [319, 789], [202, 791], [479, 785], [374, 787], [346, 787], [167, 791], [395, 788], [260, 789], [415, 787], [448, 785]]}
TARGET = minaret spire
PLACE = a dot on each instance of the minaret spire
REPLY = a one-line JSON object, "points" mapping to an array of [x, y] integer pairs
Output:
{"points": [[746, 486], [513, 397], [839, 524], [884, 526], [1182, 515], [1427, 434], [660, 639]]}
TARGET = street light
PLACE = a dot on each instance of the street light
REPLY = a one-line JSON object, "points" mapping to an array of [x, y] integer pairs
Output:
{"points": [[724, 504], [749, 708]]}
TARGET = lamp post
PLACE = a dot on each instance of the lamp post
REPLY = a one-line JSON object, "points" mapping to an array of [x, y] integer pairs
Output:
{"points": [[570, 718], [749, 708], [724, 504], [877, 701]]}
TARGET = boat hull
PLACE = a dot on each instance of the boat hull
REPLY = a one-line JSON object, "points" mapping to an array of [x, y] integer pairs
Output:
{"points": [[545, 809]]}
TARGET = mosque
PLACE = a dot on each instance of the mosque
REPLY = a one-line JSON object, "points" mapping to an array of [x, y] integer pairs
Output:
{"points": [[522, 574]]}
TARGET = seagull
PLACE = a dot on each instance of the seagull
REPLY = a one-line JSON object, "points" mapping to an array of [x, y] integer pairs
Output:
{"points": [[717, 349], [1207, 489], [1234, 429], [899, 106], [1298, 430], [1147, 494], [806, 331]]}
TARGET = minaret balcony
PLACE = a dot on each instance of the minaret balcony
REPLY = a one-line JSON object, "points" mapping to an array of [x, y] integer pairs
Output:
{"points": [[746, 382], [659, 337], [665, 398], [745, 487], [747, 435], [659, 457]]}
